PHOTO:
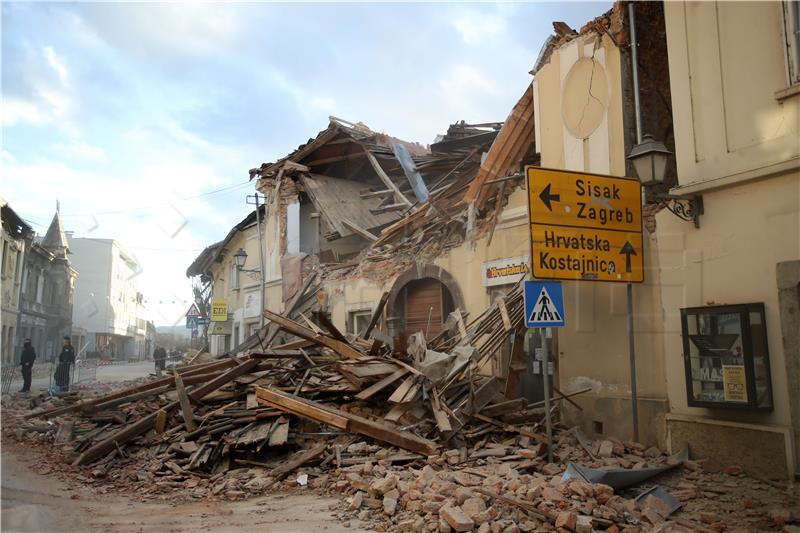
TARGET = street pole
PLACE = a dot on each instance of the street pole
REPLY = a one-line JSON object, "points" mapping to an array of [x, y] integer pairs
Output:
{"points": [[260, 259], [546, 373], [632, 355]]}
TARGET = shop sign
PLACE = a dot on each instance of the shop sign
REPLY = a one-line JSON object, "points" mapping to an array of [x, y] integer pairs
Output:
{"points": [[221, 328], [219, 310], [505, 271]]}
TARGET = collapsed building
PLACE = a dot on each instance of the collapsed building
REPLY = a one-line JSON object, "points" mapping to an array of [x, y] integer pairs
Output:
{"points": [[356, 222]]}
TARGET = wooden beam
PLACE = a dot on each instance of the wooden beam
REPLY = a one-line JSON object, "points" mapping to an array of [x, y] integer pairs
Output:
{"points": [[539, 437], [347, 421], [169, 380], [342, 348], [333, 159], [355, 228], [297, 461], [327, 324], [382, 384], [387, 208], [386, 179], [373, 194], [221, 380], [297, 406], [186, 407], [376, 315]]}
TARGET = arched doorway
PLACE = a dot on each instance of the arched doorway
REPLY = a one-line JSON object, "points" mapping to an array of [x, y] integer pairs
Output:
{"points": [[421, 300]]}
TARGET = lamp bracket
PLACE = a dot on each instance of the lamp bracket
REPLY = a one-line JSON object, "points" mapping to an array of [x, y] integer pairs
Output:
{"points": [[254, 273], [685, 207]]}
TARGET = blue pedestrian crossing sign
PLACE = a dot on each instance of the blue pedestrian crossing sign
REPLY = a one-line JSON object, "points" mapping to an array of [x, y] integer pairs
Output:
{"points": [[544, 304]]}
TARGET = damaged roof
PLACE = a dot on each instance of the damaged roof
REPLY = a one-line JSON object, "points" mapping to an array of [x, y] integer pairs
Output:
{"points": [[214, 253]]}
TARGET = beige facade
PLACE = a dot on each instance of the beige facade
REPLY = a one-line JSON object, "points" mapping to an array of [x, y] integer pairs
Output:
{"points": [[14, 235], [586, 75], [737, 145], [240, 290]]}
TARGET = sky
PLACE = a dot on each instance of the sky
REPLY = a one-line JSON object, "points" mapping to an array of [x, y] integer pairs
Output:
{"points": [[143, 119]]}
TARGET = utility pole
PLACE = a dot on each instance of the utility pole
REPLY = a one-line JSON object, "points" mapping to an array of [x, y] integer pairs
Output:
{"points": [[260, 254]]}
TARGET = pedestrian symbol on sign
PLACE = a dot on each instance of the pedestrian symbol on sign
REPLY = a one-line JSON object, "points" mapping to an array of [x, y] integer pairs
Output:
{"points": [[544, 310], [544, 304]]}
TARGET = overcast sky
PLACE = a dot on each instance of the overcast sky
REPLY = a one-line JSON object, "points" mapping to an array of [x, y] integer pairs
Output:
{"points": [[143, 119]]}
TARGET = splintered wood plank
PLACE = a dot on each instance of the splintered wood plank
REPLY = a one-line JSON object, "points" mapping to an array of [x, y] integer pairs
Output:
{"points": [[342, 348], [411, 395], [397, 411], [382, 384], [186, 407], [252, 401], [539, 437], [221, 380], [386, 179], [161, 421], [327, 324], [298, 460], [355, 228], [442, 420], [501, 304], [281, 433], [376, 315], [347, 421], [462, 330], [401, 391]]}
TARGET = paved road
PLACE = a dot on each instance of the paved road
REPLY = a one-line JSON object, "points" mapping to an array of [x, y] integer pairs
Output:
{"points": [[106, 373]]}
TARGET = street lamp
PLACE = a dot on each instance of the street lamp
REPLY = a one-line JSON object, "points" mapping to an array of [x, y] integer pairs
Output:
{"points": [[239, 258], [649, 159]]}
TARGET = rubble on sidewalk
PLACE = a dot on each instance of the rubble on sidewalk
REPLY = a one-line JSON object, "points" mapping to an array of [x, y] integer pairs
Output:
{"points": [[411, 441]]}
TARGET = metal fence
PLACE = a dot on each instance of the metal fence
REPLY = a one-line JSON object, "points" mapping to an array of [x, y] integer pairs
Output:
{"points": [[83, 371], [8, 376]]}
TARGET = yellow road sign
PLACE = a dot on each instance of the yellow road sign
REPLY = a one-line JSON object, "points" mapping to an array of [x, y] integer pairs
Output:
{"points": [[584, 200], [585, 226], [586, 254]]}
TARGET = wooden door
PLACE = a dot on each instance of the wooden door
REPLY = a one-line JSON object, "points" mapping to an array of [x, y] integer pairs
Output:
{"points": [[424, 307]]}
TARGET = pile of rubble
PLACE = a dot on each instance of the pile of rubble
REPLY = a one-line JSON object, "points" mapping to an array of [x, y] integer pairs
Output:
{"points": [[413, 441]]}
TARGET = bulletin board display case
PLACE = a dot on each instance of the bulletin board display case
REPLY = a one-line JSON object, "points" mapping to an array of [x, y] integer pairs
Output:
{"points": [[726, 357]]}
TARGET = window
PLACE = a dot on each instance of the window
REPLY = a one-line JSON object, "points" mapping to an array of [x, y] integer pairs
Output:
{"points": [[791, 22], [357, 321], [726, 357]]}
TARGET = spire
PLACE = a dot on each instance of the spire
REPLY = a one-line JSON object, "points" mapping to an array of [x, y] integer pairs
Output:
{"points": [[55, 239]]}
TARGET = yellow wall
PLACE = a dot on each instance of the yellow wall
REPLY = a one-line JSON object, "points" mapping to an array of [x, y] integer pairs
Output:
{"points": [[593, 348], [736, 144], [222, 288], [726, 62]]}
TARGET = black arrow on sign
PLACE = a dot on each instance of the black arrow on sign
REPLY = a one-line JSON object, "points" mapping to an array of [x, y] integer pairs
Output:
{"points": [[628, 250], [546, 197]]}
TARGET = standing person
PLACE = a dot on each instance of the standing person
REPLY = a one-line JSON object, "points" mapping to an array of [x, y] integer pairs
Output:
{"points": [[160, 358], [26, 360], [65, 360]]}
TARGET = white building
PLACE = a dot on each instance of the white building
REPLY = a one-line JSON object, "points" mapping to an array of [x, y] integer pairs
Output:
{"points": [[106, 297]]}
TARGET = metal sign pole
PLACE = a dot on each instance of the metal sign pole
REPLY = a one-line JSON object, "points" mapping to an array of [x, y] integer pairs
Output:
{"points": [[546, 373], [632, 355]]}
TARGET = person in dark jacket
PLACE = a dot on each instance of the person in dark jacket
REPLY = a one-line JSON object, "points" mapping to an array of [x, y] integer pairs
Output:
{"points": [[160, 359], [26, 360], [65, 360]]}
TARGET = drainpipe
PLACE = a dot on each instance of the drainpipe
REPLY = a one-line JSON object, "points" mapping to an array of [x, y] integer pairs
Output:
{"points": [[638, 113], [635, 71]]}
